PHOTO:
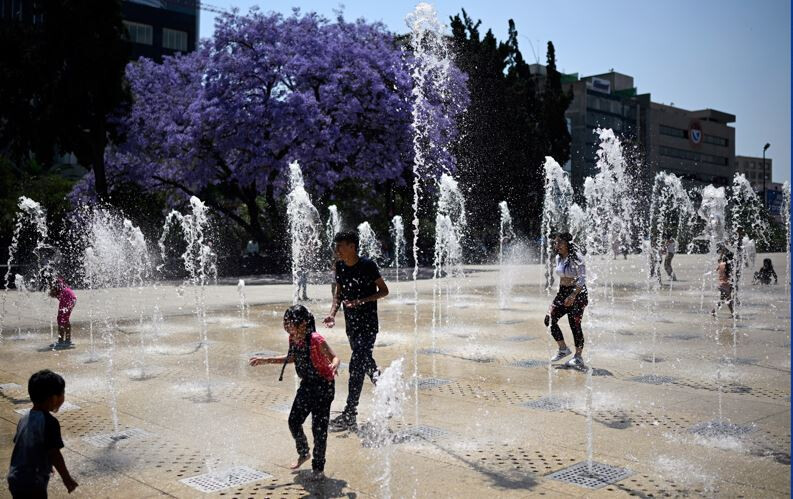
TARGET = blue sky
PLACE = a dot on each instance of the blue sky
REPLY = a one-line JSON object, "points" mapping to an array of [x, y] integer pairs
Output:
{"points": [[730, 55]]}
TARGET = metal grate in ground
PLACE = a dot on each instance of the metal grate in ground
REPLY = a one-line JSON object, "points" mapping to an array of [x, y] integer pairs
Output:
{"points": [[421, 432], [426, 383], [529, 363], [432, 351], [600, 476], [7, 387], [103, 440], [233, 477], [653, 379], [550, 403], [66, 407], [716, 429]]}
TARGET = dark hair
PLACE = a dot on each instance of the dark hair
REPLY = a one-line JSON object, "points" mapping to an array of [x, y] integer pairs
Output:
{"points": [[298, 314], [347, 236], [767, 263], [44, 384], [572, 249]]}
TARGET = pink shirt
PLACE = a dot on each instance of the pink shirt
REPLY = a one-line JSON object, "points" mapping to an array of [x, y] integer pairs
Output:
{"points": [[318, 359], [66, 299]]}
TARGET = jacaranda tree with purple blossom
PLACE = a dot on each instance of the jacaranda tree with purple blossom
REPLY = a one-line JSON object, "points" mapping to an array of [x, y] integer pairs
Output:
{"points": [[223, 122]]}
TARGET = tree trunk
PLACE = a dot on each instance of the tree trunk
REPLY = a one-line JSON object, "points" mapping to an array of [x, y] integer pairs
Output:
{"points": [[98, 140]]}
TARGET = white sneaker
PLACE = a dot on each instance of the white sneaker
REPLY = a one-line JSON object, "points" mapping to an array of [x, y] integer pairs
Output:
{"points": [[576, 362], [561, 354]]}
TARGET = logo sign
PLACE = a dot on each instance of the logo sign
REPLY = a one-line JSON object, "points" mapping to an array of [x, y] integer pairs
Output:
{"points": [[695, 133], [600, 85]]}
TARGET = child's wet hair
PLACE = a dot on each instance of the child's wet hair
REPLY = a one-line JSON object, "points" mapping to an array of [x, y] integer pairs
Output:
{"points": [[298, 314], [44, 384], [347, 236]]}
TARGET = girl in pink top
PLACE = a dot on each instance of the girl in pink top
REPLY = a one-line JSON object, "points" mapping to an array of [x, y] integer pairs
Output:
{"points": [[316, 365], [66, 301]]}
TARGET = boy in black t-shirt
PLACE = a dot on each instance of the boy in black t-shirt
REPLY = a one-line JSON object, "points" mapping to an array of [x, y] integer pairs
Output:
{"points": [[38, 442], [358, 287]]}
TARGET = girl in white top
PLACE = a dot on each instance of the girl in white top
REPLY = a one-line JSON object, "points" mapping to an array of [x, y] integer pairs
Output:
{"points": [[570, 300]]}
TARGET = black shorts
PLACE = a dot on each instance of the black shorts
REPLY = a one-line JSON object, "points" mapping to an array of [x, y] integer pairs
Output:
{"points": [[581, 301]]}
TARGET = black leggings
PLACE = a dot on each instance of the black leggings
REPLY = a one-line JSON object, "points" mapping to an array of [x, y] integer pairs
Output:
{"points": [[362, 364], [313, 397], [574, 315]]}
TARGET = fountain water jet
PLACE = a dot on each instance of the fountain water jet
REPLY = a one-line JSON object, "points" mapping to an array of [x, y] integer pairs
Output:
{"points": [[450, 225], [388, 402], [303, 229], [199, 262], [368, 244], [115, 256], [430, 72], [244, 308], [398, 239], [556, 213], [30, 214], [506, 235]]}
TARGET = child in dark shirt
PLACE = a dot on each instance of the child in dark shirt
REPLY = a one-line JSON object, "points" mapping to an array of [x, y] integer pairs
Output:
{"points": [[317, 365], [358, 287], [38, 442], [763, 276]]}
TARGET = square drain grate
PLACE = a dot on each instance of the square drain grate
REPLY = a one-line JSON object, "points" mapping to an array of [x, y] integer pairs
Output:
{"points": [[529, 363], [517, 338], [716, 429], [548, 403], [427, 383], [421, 432], [653, 379], [5, 387], [213, 482], [109, 439], [67, 406], [602, 475]]}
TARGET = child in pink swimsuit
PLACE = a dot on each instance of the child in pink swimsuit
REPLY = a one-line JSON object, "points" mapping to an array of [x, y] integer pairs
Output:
{"points": [[66, 301]]}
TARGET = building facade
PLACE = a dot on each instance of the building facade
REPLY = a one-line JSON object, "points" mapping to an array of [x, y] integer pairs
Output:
{"points": [[157, 28], [752, 168], [698, 146], [602, 101]]}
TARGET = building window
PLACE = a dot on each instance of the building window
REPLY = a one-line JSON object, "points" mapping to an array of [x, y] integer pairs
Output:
{"points": [[139, 33], [174, 40], [719, 141], [693, 156], [674, 132]]}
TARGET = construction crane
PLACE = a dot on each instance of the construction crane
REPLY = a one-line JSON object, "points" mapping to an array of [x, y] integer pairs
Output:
{"points": [[197, 3]]}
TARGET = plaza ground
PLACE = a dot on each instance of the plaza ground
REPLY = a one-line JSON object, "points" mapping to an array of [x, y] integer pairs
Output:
{"points": [[493, 419]]}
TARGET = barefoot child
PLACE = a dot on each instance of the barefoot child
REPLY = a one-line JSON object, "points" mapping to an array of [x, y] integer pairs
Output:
{"points": [[66, 300], [317, 365], [38, 443], [726, 291]]}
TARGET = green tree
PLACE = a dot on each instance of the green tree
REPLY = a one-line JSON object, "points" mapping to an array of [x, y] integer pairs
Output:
{"points": [[514, 120], [554, 104]]}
